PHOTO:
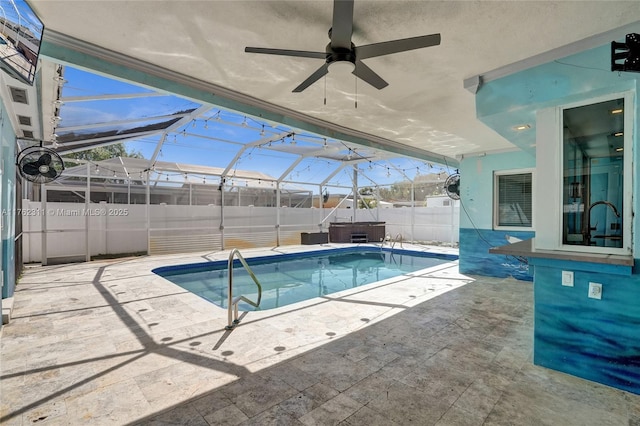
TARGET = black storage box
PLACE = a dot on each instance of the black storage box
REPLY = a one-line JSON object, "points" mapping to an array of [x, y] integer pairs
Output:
{"points": [[308, 238]]}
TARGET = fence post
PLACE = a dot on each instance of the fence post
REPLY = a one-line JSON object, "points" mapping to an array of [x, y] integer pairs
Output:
{"points": [[87, 202]]}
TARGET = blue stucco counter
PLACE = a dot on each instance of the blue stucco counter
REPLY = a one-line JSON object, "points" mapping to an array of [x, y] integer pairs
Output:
{"points": [[596, 339]]}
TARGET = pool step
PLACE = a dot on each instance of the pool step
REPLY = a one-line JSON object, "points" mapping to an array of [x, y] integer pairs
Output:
{"points": [[359, 238]]}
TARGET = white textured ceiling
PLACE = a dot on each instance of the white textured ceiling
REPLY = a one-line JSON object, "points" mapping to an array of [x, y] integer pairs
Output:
{"points": [[425, 104]]}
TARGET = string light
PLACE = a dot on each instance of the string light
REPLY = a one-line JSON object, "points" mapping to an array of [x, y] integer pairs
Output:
{"points": [[60, 80], [262, 131]]}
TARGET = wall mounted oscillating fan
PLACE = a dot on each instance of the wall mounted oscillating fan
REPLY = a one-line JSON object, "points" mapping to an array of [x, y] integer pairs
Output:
{"points": [[39, 164], [452, 186]]}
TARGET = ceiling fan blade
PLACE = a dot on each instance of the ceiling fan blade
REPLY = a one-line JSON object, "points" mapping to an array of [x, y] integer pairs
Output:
{"points": [[285, 52], [368, 75], [395, 46], [323, 70], [342, 26]]}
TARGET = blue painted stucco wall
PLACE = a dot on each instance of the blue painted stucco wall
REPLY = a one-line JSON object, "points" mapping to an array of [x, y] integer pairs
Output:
{"points": [[476, 217], [7, 202], [594, 339]]}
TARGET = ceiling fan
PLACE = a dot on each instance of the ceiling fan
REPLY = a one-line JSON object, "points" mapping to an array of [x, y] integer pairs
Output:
{"points": [[341, 51]]}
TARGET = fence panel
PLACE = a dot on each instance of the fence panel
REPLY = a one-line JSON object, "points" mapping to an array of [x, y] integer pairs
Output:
{"points": [[116, 229]]}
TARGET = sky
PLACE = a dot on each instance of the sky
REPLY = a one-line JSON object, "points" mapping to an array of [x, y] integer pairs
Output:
{"points": [[214, 138], [18, 11]]}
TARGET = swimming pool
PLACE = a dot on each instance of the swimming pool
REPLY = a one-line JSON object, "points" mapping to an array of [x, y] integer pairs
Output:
{"points": [[291, 278]]}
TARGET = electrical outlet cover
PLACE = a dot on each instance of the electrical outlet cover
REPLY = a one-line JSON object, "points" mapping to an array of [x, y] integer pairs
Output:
{"points": [[567, 278], [595, 290]]}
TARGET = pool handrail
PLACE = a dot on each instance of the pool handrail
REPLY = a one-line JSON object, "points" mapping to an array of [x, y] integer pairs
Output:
{"points": [[392, 242], [232, 304], [395, 240]]}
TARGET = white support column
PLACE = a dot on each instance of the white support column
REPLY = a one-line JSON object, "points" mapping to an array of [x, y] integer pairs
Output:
{"points": [[355, 193], [148, 212], [43, 225], [278, 207], [321, 206], [453, 226], [222, 182], [413, 208], [87, 202], [377, 194]]}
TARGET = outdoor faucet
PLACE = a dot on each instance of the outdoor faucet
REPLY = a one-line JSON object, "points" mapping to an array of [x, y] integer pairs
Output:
{"points": [[615, 211]]}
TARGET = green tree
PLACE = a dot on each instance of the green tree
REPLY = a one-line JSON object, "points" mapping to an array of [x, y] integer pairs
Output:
{"points": [[101, 153], [105, 152]]}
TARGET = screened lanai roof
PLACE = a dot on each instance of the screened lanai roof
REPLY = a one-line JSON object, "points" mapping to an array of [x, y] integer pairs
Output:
{"points": [[176, 135]]}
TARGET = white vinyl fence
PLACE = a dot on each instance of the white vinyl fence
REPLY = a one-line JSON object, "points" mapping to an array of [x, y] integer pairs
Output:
{"points": [[74, 232]]}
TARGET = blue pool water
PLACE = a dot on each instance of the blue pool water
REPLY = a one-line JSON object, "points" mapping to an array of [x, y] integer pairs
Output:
{"points": [[291, 278]]}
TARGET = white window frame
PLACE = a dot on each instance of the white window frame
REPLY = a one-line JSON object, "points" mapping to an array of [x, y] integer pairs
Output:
{"points": [[549, 168], [627, 195], [496, 207]]}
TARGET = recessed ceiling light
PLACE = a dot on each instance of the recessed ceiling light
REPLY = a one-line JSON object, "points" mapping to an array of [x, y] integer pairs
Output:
{"points": [[617, 111], [619, 149], [522, 127], [618, 134]]}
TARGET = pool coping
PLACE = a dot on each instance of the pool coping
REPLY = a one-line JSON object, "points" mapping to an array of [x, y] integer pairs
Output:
{"points": [[297, 255], [301, 250]]}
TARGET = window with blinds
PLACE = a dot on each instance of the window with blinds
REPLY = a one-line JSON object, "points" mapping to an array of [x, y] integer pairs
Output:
{"points": [[513, 200]]}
